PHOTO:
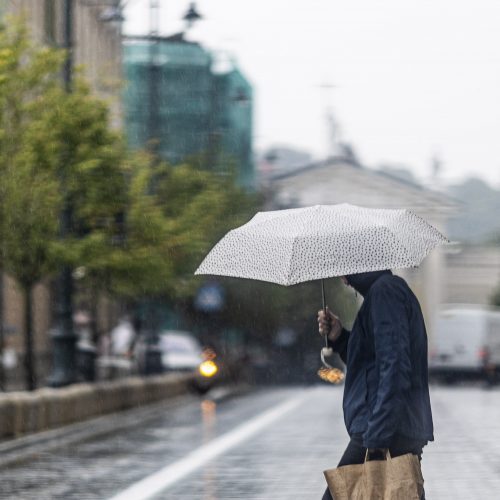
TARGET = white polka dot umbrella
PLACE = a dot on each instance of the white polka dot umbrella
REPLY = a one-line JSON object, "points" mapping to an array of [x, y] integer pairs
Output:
{"points": [[303, 244]]}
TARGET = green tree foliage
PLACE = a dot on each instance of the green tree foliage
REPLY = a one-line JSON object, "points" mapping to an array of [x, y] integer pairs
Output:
{"points": [[91, 154], [56, 150], [28, 194], [174, 215], [201, 207], [140, 227], [62, 141]]}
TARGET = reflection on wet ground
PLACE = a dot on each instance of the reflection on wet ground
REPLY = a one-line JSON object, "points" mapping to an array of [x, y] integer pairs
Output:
{"points": [[267, 444]]}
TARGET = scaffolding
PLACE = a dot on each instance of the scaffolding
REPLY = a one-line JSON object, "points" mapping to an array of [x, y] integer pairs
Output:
{"points": [[176, 103]]}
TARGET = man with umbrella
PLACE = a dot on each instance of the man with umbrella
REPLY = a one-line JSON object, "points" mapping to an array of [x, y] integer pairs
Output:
{"points": [[386, 395]]}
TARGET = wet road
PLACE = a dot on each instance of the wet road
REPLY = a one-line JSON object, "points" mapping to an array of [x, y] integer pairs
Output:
{"points": [[262, 445]]}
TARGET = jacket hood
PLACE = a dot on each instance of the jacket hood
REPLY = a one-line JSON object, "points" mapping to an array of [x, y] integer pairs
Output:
{"points": [[362, 282]]}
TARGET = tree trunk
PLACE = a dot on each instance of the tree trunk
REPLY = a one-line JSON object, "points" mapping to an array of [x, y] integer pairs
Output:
{"points": [[2, 336], [93, 310], [28, 339]]}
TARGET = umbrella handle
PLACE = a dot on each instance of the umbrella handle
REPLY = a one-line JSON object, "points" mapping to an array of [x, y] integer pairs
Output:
{"points": [[324, 310], [323, 294], [326, 351]]}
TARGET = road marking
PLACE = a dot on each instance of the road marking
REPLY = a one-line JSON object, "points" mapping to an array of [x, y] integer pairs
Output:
{"points": [[170, 474]]}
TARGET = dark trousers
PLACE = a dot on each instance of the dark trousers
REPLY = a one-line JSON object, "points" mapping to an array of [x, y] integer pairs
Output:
{"points": [[355, 454]]}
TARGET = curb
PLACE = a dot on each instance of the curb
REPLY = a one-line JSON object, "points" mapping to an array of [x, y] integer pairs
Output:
{"points": [[22, 449], [24, 413]]}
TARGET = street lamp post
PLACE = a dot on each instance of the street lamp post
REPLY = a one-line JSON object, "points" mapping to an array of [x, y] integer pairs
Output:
{"points": [[152, 354], [192, 15], [63, 336], [65, 355]]}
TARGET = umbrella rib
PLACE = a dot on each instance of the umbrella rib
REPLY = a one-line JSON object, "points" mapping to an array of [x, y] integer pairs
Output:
{"points": [[299, 231], [288, 276]]}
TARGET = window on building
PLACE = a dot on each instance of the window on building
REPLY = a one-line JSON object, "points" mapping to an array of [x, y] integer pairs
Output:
{"points": [[49, 13]]}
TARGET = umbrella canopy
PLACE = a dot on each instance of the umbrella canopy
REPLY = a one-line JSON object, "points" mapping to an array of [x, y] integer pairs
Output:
{"points": [[302, 244]]}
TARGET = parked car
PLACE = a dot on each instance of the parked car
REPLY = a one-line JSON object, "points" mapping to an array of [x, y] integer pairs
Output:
{"points": [[466, 343], [181, 351]]}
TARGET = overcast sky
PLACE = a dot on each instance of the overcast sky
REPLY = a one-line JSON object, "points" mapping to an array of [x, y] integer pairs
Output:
{"points": [[413, 78]]}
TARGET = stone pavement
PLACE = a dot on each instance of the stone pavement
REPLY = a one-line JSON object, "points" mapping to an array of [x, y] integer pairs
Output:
{"points": [[464, 460], [283, 460]]}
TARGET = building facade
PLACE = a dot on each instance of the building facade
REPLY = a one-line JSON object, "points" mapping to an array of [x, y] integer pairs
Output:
{"points": [[176, 103], [167, 96], [473, 274], [234, 120], [97, 55], [96, 43], [339, 180]]}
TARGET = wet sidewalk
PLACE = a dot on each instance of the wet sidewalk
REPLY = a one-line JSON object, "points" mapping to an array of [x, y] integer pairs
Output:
{"points": [[285, 461], [267, 444]]}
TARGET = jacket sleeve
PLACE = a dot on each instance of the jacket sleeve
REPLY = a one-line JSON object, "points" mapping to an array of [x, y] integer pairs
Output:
{"points": [[391, 331], [340, 345]]}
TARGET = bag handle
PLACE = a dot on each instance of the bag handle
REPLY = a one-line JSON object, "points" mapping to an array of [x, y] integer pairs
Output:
{"points": [[387, 455]]}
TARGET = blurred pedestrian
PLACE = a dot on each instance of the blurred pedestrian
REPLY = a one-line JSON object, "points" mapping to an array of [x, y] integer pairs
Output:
{"points": [[386, 395], [123, 338]]}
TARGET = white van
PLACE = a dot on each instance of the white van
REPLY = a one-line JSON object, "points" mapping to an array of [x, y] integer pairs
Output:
{"points": [[466, 343]]}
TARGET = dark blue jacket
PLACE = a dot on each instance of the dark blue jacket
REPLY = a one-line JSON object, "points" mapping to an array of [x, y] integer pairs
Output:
{"points": [[386, 387]]}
